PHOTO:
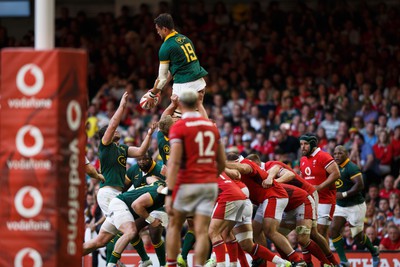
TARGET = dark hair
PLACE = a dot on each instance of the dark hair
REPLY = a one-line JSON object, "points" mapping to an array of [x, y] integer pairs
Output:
{"points": [[165, 20], [254, 158], [360, 135], [101, 132], [232, 156]]}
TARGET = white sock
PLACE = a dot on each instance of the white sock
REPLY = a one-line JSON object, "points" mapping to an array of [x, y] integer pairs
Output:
{"points": [[278, 260]]}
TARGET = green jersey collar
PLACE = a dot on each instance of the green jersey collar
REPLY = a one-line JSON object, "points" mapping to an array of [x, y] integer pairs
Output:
{"points": [[170, 35], [344, 163]]}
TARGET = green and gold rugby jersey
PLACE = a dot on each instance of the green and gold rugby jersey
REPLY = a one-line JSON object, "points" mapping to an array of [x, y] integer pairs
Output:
{"points": [[178, 51], [138, 177], [348, 170], [163, 147], [113, 164], [130, 196]]}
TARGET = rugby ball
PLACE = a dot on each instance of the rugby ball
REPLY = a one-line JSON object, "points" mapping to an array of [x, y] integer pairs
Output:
{"points": [[144, 104]]}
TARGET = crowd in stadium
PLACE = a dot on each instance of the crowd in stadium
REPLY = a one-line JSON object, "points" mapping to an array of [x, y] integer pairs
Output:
{"points": [[274, 75]]}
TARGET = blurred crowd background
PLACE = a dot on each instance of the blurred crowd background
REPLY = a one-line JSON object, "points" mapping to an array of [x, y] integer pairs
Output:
{"points": [[333, 70]]}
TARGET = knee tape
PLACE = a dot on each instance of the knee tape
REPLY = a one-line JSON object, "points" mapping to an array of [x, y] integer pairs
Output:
{"points": [[302, 230], [243, 236]]}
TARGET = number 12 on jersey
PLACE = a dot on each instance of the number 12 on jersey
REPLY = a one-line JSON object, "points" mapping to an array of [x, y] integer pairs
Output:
{"points": [[189, 52], [205, 141]]}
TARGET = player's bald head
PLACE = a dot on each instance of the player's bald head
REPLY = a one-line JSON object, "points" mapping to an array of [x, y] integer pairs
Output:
{"points": [[189, 99]]}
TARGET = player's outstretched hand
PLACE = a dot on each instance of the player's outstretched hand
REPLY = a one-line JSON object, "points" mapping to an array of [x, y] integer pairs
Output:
{"points": [[124, 100], [153, 126], [174, 100], [152, 93]]}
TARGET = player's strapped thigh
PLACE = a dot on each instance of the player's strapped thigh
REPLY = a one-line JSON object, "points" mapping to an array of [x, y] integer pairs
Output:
{"points": [[325, 213], [247, 214], [162, 216], [229, 210], [109, 227], [104, 197], [196, 198], [313, 207], [119, 213], [271, 208]]}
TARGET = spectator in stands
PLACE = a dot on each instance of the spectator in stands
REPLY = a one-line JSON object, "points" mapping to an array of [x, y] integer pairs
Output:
{"points": [[383, 152], [396, 214], [330, 124], [288, 144], [392, 241], [369, 136], [371, 233], [288, 111], [373, 195], [382, 124], [388, 187], [395, 142], [366, 112], [369, 215], [358, 123], [394, 200], [380, 224], [247, 149], [394, 119], [384, 207], [362, 154]]}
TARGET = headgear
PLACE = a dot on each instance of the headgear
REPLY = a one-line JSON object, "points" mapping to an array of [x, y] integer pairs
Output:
{"points": [[311, 139]]}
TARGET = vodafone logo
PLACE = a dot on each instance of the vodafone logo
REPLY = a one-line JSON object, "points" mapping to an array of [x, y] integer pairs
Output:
{"points": [[30, 253], [23, 198], [308, 171], [20, 141], [74, 115], [30, 79]]}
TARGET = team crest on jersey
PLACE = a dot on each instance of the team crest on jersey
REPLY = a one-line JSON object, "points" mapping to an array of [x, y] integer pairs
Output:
{"points": [[314, 162], [166, 149], [122, 160], [339, 183], [180, 39]]}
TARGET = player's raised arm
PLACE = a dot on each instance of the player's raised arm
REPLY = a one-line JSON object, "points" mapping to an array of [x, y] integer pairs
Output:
{"points": [[134, 151], [114, 122]]}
